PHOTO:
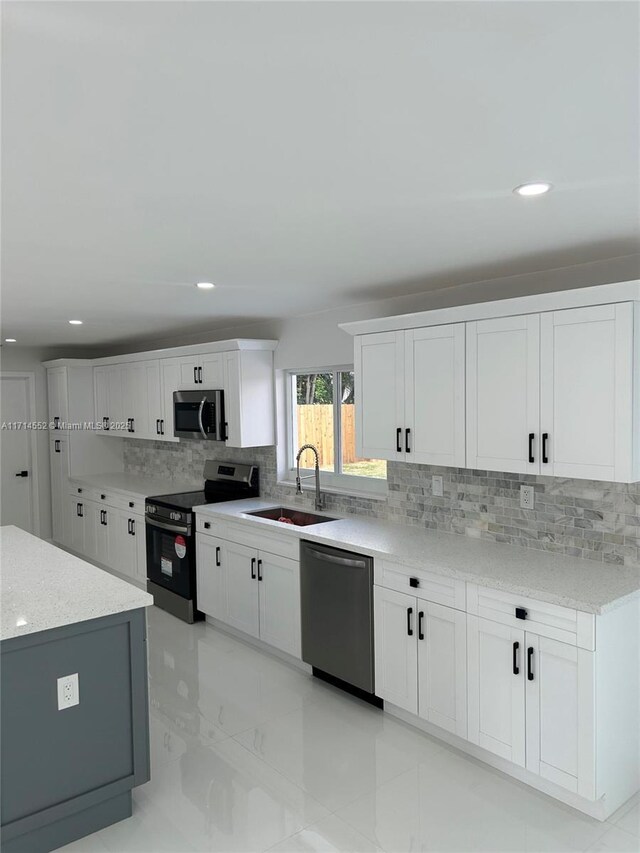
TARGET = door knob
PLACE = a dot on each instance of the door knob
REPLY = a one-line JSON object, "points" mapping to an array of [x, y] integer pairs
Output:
{"points": [[22, 474]]}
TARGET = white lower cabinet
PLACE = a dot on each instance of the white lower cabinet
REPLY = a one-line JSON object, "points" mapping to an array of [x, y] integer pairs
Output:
{"points": [[420, 658], [531, 701], [109, 535], [251, 590]]}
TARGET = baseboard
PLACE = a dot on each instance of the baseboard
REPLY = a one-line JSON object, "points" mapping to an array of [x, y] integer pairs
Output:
{"points": [[258, 644], [594, 808]]}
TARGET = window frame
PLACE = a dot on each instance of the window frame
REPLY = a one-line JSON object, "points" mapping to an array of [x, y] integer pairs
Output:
{"points": [[329, 480]]}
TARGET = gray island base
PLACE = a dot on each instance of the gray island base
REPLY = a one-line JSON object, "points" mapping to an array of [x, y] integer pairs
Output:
{"points": [[68, 772]]}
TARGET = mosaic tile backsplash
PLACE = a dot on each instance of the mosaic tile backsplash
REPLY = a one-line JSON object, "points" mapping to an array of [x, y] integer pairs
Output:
{"points": [[583, 518]]}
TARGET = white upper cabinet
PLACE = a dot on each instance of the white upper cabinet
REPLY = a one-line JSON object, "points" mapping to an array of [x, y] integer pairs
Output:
{"points": [[410, 395], [134, 399], [546, 384], [57, 396], [434, 395], [586, 418], [503, 394], [379, 388]]}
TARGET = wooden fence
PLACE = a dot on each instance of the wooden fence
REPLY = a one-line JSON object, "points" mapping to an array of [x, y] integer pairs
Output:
{"points": [[315, 426]]}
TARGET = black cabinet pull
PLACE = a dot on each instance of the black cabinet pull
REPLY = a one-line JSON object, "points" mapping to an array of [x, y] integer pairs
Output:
{"points": [[516, 668], [22, 474], [162, 426], [521, 613], [157, 426], [420, 621], [133, 424], [531, 456], [129, 526], [56, 423], [545, 438], [133, 527], [409, 615], [530, 663], [407, 433], [195, 375], [105, 518], [206, 525], [200, 375], [78, 510], [253, 568], [414, 582], [217, 554], [226, 430], [398, 434], [259, 570], [79, 491], [56, 445], [131, 504], [102, 497], [105, 422]]}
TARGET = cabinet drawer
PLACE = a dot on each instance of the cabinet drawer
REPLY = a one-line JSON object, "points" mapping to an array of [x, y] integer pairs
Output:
{"points": [[426, 585], [547, 620], [282, 545], [211, 526], [130, 503]]}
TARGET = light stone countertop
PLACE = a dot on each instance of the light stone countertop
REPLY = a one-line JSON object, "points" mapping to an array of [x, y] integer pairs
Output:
{"points": [[585, 585], [135, 484], [44, 587]]}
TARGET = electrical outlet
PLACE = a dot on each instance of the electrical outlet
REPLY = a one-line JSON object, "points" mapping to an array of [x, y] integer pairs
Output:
{"points": [[437, 486], [526, 497], [68, 691]]}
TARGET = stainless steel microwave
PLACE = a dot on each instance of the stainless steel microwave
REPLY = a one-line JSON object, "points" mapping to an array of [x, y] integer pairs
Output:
{"points": [[199, 414]]}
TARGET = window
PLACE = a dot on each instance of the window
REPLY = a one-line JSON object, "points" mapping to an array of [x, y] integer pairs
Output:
{"points": [[321, 407]]}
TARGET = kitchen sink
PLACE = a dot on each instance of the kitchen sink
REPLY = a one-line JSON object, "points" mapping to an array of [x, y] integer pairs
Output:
{"points": [[291, 516]]}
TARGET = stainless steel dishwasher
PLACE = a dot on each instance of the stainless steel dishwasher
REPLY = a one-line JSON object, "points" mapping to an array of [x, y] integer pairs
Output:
{"points": [[336, 592]]}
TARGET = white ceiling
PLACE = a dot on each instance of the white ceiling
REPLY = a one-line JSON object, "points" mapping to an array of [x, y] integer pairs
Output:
{"points": [[301, 155]]}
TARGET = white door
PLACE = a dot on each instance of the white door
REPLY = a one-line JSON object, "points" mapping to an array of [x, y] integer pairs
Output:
{"points": [[503, 394], [123, 554], [154, 399], [101, 395], [240, 566], [190, 370], [496, 697], [169, 382], [586, 357], [434, 395], [91, 513], [442, 666], [396, 652], [561, 714], [211, 560], [212, 371], [103, 519], [279, 585], [17, 496], [57, 396], [379, 388], [115, 402], [134, 396], [138, 537], [59, 459], [232, 402], [77, 525]]}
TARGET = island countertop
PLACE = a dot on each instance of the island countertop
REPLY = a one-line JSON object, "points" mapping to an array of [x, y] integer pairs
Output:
{"points": [[44, 587]]}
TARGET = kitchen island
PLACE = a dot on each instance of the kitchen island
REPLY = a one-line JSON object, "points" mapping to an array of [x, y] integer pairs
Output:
{"points": [[74, 704]]}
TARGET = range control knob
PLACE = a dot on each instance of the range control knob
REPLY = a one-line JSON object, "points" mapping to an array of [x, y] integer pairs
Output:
{"points": [[175, 516], [151, 508]]}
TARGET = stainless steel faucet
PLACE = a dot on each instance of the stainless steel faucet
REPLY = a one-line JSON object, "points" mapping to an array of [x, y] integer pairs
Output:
{"points": [[316, 474]]}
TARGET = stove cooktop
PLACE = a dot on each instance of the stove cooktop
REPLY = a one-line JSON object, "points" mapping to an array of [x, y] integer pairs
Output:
{"points": [[185, 501]]}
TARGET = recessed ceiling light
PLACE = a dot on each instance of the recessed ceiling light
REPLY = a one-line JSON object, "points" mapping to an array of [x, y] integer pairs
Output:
{"points": [[10, 340], [205, 285], [76, 322], [533, 188]]}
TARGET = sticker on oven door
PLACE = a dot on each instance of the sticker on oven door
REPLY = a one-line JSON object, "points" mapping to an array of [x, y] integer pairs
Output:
{"points": [[166, 566], [181, 546]]}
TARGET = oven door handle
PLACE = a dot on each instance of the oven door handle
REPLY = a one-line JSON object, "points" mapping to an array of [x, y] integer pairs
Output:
{"points": [[200, 409], [174, 528]]}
